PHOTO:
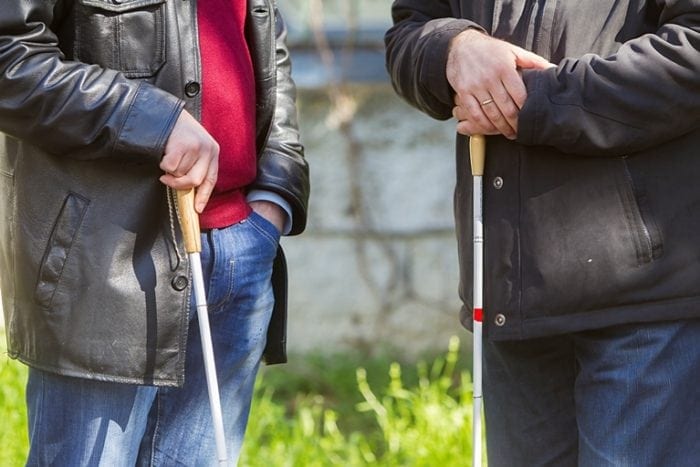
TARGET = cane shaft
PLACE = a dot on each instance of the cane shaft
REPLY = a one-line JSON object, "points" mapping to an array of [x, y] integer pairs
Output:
{"points": [[208, 354]]}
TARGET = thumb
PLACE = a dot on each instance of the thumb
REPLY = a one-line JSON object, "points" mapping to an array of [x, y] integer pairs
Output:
{"points": [[526, 59]]}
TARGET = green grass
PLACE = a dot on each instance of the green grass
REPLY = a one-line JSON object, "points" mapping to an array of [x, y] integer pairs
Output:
{"points": [[371, 411], [325, 410], [13, 413]]}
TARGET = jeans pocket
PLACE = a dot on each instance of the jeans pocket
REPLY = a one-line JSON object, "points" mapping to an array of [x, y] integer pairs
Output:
{"points": [[127, 36], [265, 227]]}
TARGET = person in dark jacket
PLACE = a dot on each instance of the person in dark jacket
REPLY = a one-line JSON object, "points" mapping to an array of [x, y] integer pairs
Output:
{"points": [[105, 108], [592, 259]]}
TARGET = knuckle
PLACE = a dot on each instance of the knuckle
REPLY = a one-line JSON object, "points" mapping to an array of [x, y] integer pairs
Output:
{"points": [[476, 113], [167, 164], [464, 129]]}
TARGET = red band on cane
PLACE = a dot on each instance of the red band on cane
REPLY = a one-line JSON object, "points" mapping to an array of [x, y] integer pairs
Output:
{"points": [[478, 315]]}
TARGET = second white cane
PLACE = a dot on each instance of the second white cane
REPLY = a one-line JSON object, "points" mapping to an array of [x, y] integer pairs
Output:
{"points": [[477, 155]]}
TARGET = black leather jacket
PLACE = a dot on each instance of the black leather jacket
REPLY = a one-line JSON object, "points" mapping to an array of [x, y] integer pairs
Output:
{"points": [[591, 216], [93, 284]]}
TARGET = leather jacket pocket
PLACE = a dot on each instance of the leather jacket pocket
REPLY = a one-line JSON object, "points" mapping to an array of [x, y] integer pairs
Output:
{"points": [[122, 35], [59, 245]]}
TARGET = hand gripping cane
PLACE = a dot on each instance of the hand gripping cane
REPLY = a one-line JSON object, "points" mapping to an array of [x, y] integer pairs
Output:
{"points": [[477, 154], [189, 223]]}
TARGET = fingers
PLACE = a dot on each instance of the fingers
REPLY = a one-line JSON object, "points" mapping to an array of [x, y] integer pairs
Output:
{"points": [[205, 189], [515, 88], [199, 170], [471, 118], [501, 109], [191, 159], [526, 59], [179, 164], [493, 113], [485, 74]]}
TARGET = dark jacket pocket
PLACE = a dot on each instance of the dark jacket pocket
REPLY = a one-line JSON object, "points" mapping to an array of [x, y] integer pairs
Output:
{"points": [[60, 242], [124, 35], [586, 235], [647, 235]]}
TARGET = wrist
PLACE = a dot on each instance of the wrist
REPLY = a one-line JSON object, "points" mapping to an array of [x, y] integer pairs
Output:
{"points": [[270, 211]]}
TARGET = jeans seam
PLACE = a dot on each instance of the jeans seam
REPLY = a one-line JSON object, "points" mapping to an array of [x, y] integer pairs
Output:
{"points": [[40, 420], [230, 292], [156, 426]]}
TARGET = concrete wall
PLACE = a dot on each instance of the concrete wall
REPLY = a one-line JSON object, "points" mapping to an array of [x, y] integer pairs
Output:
{"points": [[377, 264]]}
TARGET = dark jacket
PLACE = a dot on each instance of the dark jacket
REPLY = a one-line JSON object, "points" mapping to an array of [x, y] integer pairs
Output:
{"points": [[94, 276], [592, 217]]}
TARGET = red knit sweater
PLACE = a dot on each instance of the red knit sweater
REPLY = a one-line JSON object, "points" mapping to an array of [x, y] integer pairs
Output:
{"points": [[228, 107]]}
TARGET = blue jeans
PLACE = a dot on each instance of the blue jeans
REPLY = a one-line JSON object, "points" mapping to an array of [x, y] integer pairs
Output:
{"points": [[80, 422], [621, 396]]}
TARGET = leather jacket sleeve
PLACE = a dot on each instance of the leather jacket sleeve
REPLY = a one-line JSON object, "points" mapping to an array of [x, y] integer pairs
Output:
{"points": [[282, 168], [645, 94], [70, 108], [416, 53]]}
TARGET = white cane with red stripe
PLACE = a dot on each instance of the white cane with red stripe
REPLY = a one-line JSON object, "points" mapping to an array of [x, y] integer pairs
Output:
{"points": [[477, 154]]}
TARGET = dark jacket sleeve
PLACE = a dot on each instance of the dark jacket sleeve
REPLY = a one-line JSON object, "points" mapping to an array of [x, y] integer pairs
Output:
{"points": [[71, 108], [282, 167], [416, 53], [647, 93]]}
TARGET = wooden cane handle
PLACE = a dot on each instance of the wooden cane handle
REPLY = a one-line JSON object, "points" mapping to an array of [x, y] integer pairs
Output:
{"points": [[477, 153], [189, 220]]}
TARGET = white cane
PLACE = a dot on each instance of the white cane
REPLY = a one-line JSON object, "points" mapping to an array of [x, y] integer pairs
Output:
{"points": [[477, 154], [189, 223]]}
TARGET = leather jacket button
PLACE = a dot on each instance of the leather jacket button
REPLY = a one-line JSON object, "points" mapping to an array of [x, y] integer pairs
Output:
{"points": [[179, 283], [192, 89], [500, 320], [498, 183]]}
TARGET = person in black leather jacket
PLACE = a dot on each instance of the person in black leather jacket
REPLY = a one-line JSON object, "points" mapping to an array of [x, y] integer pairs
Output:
{"points": [[592, 263], [105, 107]]}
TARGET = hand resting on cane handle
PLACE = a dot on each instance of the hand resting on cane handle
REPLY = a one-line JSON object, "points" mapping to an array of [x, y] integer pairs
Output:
{"points": [[485, 75], [191, 159]]}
